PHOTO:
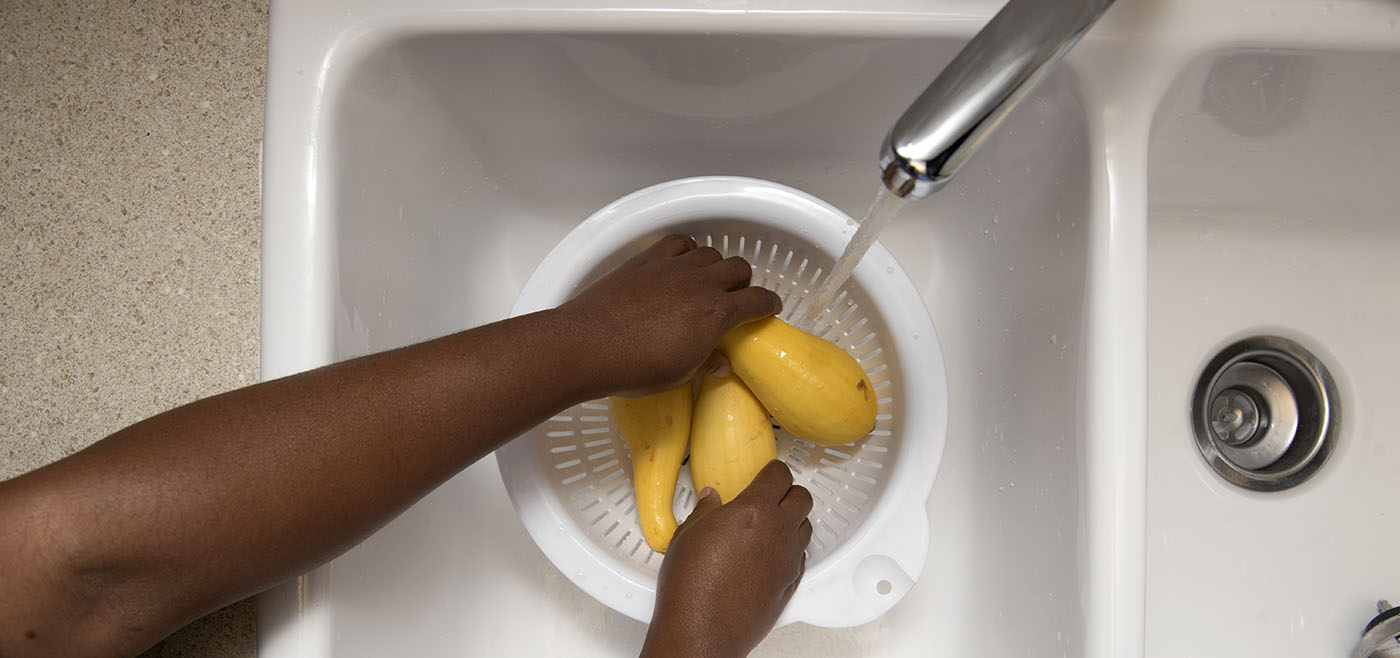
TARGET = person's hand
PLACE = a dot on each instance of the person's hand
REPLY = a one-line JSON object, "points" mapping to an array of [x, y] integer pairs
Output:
{"points": [[731, 569], [652, 323]]}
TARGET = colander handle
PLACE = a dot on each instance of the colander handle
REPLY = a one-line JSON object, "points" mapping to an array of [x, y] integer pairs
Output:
{"points": [[870, 586]]}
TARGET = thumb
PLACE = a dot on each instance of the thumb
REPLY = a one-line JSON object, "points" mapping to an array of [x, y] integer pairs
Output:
{"points": [[709, 502], [717, 364]]}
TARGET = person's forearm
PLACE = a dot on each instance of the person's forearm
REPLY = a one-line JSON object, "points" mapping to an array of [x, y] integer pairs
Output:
{"points": [[218, 499], [105, 552]]}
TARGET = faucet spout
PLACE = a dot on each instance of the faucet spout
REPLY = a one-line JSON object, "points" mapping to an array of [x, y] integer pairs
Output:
{"points": [[990, 76]]}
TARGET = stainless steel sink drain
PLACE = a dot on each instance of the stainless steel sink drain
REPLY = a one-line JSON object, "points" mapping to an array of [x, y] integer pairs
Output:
{"points": [[1265, 413]]}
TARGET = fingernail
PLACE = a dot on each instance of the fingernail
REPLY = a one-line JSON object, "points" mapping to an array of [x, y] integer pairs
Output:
{"points": [[707, 491]]}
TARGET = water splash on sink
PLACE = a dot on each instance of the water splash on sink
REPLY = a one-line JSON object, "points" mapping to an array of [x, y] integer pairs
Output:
{"points": [[883, 209]]}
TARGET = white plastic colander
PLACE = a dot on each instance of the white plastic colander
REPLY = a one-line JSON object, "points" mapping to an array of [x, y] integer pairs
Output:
{"points": [[570, 478]]}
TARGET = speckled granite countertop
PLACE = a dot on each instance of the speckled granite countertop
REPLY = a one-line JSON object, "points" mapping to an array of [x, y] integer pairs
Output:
{"points": [[129, 227]]}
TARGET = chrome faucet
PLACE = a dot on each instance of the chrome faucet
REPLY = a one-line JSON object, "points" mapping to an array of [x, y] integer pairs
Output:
{"points": [[1382, 636], [996, 70]]}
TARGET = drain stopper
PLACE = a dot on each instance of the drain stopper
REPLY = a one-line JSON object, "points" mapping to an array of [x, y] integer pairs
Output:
{"points": [[1264, 413], [1234, 417]]}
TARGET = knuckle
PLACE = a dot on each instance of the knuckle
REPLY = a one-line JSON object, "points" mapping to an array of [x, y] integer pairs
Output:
{"points": [[802, 496], [737, 263], [753, 516], [780, 470], [774, 299], [718, 313]]}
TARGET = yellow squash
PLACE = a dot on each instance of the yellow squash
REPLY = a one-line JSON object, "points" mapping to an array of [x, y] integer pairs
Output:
{"points": [[731, 437], [813, 388], [656, 429]]}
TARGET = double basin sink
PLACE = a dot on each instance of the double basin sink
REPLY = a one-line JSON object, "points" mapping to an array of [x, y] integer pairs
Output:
{"points": [[1191, 174]]}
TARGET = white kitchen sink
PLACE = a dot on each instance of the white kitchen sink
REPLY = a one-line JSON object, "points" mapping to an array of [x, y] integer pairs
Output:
{"points": [[1273, 209], [422, 158]]}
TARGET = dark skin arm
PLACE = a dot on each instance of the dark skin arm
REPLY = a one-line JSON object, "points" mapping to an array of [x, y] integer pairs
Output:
{"points": [[107, 551]]}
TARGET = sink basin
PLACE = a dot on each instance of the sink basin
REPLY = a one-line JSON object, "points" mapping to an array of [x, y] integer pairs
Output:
{"points": [[422, 157], [1272, 208], [453, 161]]}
